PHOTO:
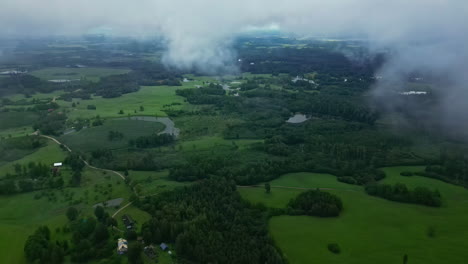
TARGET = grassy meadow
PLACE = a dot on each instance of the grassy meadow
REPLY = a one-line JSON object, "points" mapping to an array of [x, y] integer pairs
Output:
{"points": [[153, 182], [93, 138], [370, 229], [154, 99], [48, 154]]}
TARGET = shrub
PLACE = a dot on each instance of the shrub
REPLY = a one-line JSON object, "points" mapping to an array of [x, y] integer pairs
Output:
{"points": [[406, 173], [316, 203], [334, 248]]}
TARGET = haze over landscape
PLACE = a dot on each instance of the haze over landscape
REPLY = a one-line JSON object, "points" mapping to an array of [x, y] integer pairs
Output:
{"points": [[261, 131]]}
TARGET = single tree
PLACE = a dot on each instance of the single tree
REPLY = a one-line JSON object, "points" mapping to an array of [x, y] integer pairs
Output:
{"points": [[99, 212], [267, 187], [72, 213]]}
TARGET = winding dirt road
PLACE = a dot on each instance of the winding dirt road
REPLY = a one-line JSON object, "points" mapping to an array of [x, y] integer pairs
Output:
{"points": [[92, 167]]}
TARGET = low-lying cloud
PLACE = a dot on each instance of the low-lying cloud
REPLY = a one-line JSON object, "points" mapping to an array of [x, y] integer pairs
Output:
{"points": [[424, 35]]}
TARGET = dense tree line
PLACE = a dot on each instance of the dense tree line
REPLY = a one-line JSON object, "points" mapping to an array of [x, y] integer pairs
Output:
{"points": [[400, 193], [152, 141], [315, 203], [209, 223]]}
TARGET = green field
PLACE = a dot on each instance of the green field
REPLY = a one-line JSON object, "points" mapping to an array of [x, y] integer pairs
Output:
{"points": [[93, 138], [152, 98], [151, 183], [47, 155], [17, 119], [91, 74], [370, 229]]}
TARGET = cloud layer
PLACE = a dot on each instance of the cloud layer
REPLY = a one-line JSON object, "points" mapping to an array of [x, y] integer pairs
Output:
{"points": [[425, 35], [199, 31]]}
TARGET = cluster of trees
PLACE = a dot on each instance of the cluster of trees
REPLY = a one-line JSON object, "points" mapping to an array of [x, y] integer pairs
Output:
{"points": [[209, 223], [40, 249], [232, 166], [319, 104], [451, 166], [77, 164], [152, 141], [51, 123], [30, 177], [212, 94], [115, 135], [400, 193], [315, 203], [116, 85], [153, 74]]}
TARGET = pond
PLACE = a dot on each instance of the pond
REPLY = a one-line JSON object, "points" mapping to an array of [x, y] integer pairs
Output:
{"points": [[170, 126], [297, 118]]}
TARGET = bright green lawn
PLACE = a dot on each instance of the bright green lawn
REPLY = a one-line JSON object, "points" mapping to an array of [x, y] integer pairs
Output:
{"points": [[370, 229], [97, 137], [92, 74]]}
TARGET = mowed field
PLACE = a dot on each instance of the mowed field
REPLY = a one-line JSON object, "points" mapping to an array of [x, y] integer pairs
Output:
{"points": [[370, 229], [89, 139], [91, 73]]}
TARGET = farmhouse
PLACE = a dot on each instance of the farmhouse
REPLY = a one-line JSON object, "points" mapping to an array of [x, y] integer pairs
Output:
{"points": [[128, 221], [122, 246]]}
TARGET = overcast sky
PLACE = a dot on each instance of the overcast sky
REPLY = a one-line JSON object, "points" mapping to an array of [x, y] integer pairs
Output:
{"points": [[200, 30]]}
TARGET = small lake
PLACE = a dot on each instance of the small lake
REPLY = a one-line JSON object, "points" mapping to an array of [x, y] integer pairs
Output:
{"points": [[297, 118]]}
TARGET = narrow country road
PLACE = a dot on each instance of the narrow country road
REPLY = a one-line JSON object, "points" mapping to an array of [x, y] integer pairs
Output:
{"points": [[92, 167], [123, 207]]}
